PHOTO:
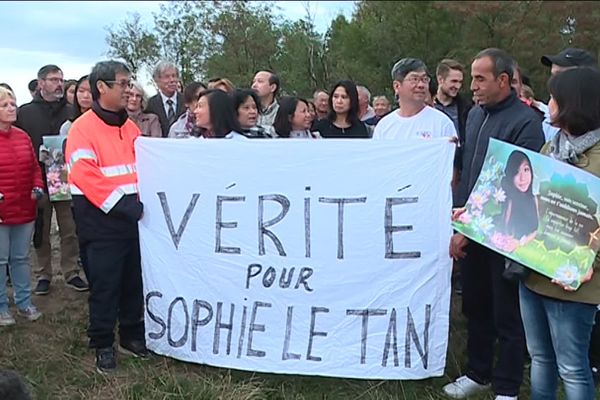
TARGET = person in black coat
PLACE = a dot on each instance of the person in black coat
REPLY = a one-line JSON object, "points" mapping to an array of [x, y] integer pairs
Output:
{"points": [[168, 103]]}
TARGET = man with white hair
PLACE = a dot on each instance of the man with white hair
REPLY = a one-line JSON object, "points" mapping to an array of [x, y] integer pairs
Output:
{"points": [[365, 111], [168, 103]]}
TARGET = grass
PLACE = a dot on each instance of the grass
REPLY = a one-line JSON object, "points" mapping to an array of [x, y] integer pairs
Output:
{"points": [[53, 357]]}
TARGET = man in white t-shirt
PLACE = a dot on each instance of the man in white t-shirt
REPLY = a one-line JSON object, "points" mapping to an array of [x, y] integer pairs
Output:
{"points": [[413, 119]]}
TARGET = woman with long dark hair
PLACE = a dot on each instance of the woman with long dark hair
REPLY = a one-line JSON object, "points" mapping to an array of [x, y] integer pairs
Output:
{"points": [[293, 119], [520, 213], [215, 115], [82, 101], [342, 120], [558, 320]]}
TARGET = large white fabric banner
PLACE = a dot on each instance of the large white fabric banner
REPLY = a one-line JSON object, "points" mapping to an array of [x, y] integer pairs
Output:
{"points": [[322, 257]]}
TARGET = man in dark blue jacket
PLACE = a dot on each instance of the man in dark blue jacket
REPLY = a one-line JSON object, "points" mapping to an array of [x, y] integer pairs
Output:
{"points": [[490, 301]]}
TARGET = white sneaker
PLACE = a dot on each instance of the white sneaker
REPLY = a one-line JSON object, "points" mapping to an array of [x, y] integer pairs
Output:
{"points": [[502, 397], [6, 319], [463, 387], [31, 313]]}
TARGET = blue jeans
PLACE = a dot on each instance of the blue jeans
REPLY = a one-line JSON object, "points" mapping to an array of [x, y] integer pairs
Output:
{"points": [[558, 338], [14, 251]]}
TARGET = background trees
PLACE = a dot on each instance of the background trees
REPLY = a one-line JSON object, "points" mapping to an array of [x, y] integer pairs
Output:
{"points": [[235, 39]]}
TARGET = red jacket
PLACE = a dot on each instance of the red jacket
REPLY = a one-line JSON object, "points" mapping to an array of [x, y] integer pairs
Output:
{"points": [[19, 174]]}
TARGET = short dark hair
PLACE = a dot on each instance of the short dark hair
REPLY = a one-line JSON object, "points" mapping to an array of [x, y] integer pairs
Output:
{"points": [[32, 85], [46, 69], [190, 91], [433, 86], [222, 114], [105, 71], [503, 62], [241, 95], [446, 65], [577, 94], [352, 92], [12, 386], [405, 66], [76, 107], [273, 80], [287, 108]]}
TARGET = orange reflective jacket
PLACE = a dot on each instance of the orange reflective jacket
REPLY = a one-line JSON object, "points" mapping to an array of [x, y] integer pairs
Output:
{"points": [[102, 176]]}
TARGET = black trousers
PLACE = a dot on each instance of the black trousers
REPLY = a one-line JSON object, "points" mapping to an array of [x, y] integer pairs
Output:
{"points": [[114, 274], [491, 305]]}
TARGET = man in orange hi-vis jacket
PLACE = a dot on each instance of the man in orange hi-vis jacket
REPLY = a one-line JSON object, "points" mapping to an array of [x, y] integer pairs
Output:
{"points": [[103, 180]]}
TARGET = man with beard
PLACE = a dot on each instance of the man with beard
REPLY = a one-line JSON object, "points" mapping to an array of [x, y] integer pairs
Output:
{"points": [[42, 117]]}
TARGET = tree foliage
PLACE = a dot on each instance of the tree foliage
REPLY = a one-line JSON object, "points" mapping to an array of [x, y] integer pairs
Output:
{"points": [[234, 39]]}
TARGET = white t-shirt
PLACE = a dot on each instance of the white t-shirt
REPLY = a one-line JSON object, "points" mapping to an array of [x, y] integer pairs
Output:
{"points": [[426, 124]]}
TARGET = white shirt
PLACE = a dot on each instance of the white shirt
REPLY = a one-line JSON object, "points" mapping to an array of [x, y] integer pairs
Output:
{"points": [[165, 105], [426, 124]]}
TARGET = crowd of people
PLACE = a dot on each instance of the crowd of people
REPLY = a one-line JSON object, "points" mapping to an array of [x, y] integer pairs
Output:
{"points": [[102, 114]]}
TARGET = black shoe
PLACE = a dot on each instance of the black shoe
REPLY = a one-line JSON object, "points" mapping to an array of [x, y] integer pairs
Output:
{"points": [[596, 375], [78, 284], [43, 287], [136, 348], [105, 360]]}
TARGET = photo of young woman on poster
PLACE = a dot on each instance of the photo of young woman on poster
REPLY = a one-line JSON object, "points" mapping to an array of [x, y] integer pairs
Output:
{"points": [[519, 217]]}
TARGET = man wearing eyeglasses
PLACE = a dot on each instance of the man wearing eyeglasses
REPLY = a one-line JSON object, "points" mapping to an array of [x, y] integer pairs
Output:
{"points": [[413, 119], [43, 116], [103, 181], [168, 103]]}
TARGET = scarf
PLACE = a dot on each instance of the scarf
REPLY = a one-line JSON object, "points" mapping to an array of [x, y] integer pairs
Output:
{"points": [[567, 148], [110, 117]]}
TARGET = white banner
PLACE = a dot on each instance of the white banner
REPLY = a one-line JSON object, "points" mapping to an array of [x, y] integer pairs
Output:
{"points": [[324, 257]]}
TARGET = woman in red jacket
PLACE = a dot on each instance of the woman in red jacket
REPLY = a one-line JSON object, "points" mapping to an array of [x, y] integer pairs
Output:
{"points": [[20, 187]]}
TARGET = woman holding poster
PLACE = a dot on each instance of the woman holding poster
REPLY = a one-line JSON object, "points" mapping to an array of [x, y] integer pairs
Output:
{"points": [[557, 319]]}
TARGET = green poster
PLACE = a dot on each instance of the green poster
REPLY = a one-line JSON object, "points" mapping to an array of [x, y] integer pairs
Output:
{"points": [[535, 210], [53, 157]]}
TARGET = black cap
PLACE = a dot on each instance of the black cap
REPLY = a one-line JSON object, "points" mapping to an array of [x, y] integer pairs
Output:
{"points": [[571, 57]]}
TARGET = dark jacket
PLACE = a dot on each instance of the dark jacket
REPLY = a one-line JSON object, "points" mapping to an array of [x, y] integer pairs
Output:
{"points": [[511, 121], [463, 106], [327, 129], [155, 106], [42, 118]]}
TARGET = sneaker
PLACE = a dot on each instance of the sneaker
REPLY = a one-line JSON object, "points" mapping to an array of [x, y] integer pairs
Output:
{"points": [[136, 348], [595, 375], [502, 397], [6, 319], [106, 361], [77, 284], [463, 387], [43, 287], [31, 313]]}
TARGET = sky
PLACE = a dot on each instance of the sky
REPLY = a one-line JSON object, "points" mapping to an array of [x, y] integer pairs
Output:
{"points": [[71, 34]]}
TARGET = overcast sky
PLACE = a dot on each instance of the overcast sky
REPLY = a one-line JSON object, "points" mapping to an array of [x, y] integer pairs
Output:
{"points": [[72, 34]]}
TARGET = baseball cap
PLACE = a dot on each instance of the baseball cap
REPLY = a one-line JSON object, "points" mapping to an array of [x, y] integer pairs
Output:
{"points": [[571, 57]]}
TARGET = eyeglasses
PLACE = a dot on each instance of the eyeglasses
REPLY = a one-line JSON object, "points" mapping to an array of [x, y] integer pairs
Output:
{"points": [[124, 83], [416, 79], [54, 80]]}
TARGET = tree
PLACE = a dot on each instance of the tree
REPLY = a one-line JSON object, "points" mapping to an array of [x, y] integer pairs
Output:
{"points": [[183, 29], [133, 43]]}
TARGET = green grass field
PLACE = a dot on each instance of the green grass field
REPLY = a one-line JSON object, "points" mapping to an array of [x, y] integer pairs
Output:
{"points": [[53, 357]]}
